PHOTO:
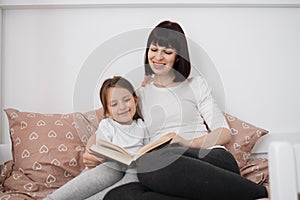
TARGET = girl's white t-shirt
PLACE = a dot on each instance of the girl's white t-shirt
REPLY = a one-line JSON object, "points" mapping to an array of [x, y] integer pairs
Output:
{"points": [[131, 137]]}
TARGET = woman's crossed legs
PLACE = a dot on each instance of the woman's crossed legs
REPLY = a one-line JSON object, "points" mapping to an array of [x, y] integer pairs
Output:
{"points": [[177, 173]]}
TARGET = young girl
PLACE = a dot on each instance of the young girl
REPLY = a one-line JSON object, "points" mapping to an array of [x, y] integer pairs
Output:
{"points": [[123, 126]]}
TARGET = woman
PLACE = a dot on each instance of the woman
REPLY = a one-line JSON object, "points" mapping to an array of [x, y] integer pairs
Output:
{"points": [[197, 165]]}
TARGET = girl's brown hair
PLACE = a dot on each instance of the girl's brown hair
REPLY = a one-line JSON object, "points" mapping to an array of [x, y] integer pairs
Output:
{"points": [[118, 81]]}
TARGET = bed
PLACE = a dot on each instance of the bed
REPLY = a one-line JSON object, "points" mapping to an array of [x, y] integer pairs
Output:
{"points": [[47, 150], [49, 104]]}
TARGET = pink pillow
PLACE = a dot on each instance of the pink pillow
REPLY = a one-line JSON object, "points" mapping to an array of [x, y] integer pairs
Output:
{"points": [[47, 149], [244, 137], [256, 170]]}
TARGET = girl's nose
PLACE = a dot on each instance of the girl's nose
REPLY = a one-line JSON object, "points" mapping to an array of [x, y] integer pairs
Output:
{"points": [[123, 106]]}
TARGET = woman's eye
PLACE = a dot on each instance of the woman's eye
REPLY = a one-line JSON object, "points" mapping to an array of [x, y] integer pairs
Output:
{"points": [[168, 52], [154, 50]]}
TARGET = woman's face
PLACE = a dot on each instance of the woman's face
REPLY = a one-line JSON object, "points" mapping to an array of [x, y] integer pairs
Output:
{"points": [[161, 59], [121, 105]]}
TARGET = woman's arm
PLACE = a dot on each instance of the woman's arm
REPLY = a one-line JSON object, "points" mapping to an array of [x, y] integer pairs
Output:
{"points": [[89, 160], [213, 117], [220, 136]]}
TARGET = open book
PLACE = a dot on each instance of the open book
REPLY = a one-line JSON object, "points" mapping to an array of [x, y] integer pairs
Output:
{"points": [[110, 151]]}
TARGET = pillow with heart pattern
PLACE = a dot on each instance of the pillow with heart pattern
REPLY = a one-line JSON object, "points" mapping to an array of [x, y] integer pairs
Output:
{"points": [[47, 150], [244, 137]]}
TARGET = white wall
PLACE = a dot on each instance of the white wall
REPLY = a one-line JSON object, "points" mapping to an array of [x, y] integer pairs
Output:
{"points": [[254, 51]]}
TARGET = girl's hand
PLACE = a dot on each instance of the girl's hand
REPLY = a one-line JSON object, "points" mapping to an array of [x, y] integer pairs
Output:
{"points": [[91, 161]]}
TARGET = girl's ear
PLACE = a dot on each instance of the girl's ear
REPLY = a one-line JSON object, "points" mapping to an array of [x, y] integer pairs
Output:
{"points": [[136, 100], [107, 115]]}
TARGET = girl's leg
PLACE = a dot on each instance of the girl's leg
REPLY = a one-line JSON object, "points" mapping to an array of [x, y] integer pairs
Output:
{"points": [[196, 175], [129, 177], [88, 183], [136, 191]]}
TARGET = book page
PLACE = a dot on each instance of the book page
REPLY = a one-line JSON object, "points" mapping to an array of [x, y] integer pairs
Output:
{"points": [[111, 154], [112, 146], [105, 149], [154, 144]]}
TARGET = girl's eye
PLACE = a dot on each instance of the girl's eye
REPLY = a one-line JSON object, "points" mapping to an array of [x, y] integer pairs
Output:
{"points": [[127, 99], [113, 104]]}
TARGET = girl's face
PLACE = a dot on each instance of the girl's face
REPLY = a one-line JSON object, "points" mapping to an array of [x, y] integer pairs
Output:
{"points": [[161, 59], [121, 105]]}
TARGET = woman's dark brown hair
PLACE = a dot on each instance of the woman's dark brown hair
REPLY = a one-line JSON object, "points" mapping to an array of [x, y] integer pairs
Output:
{"points": [[120, 82], [170, 34]]}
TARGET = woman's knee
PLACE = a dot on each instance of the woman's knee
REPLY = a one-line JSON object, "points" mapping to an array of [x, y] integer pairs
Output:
{"points": [[223, 159], [159, 179], [157, 160]]}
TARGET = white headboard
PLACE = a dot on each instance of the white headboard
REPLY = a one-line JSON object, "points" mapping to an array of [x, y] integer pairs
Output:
{"points": [[248, 49]]}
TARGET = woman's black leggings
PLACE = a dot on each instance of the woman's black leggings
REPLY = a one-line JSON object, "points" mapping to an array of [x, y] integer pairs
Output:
{"points": [[177, 173]]}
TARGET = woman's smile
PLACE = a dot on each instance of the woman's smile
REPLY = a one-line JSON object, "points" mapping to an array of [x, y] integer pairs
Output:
{"points": [[158, 66]]}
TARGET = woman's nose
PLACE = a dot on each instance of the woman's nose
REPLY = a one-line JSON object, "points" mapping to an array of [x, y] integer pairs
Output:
{"points": [[158, 55]]}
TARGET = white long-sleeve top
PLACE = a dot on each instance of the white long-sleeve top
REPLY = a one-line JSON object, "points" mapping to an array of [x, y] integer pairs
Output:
{"points": [[182, 109]]}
